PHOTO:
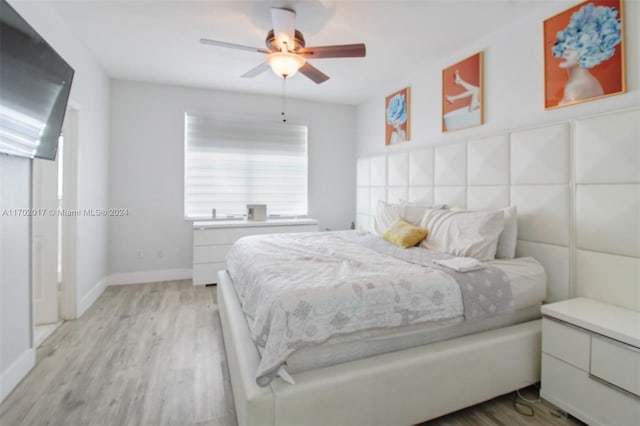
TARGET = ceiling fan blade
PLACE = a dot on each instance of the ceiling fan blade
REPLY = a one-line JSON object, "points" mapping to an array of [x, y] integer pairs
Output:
{"points": [[284, 26], [256, 71], [341, 51], [313, 73], [233, 45]]}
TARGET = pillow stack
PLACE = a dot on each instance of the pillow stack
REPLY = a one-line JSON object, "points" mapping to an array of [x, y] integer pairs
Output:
{"points": [[484, 235]]}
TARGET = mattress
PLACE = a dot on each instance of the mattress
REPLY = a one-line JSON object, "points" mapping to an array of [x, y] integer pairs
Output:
{"points": [[376, 342], [528, 285], [309, 289]]}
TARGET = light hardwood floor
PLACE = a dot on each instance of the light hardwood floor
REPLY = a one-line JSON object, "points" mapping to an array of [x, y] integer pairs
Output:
{"points": [[152, 354]]}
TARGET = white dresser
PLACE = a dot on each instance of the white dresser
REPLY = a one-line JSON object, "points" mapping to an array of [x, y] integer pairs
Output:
{"points": [[212, 240], [591, 361]]}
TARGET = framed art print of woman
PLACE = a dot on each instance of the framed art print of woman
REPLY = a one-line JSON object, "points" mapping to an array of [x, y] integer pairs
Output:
{"points": [[462, 94], [584, 53], [397, 117]]}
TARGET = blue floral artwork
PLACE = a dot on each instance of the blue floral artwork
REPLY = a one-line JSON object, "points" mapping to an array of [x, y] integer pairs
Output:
{"points": [[397, 117], [584, 53], [397, 110], [593, 32]]}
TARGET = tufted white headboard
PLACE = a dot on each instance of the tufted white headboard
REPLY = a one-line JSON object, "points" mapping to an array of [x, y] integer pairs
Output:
{"points": [[576, 185]]}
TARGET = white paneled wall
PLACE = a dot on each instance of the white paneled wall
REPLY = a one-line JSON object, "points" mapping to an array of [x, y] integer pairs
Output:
{"points": [[398, 177], [576, 185], [607, 169]]}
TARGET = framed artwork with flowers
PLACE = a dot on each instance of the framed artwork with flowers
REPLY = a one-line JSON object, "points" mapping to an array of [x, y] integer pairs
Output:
{"points": [[584, 53], [397, 110], [462, 94]]}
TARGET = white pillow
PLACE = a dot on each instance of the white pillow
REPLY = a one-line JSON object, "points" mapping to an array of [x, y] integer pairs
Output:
{"points": [[509, 236], [387, 214], [463, 233]]}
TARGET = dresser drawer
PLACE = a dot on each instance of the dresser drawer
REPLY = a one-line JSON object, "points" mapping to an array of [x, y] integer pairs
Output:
{"points": [[566, 343], [219, 236], [202, 237], [616, 363], [208, 254], [207, 273]]}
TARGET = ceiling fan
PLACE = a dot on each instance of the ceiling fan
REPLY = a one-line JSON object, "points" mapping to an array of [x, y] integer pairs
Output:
{"points": [[286, 51]]}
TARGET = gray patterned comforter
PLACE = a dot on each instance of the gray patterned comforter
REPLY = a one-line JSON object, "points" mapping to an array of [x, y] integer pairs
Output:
{"points": [[302, 289]]}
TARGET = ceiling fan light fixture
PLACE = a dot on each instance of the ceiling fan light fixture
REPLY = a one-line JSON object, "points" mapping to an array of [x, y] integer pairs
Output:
{"points": [[285, 64]]}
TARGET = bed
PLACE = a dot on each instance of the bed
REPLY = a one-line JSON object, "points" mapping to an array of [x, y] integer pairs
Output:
{"points": [[397, 375]]}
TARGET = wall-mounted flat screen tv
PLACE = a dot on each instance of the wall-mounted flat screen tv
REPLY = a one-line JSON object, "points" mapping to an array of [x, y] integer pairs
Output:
{"points": [[34, 89]]}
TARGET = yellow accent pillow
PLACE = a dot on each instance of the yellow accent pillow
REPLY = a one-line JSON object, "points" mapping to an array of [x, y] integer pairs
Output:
{"points": [[404, 234]]}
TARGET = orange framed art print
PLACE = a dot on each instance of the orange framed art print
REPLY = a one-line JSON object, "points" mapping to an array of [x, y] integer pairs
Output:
{"points": [[584, 53], [397, 108], [462, 94]]}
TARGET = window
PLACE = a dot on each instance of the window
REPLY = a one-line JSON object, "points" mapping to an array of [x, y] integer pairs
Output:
{"points": [[231, 163]]}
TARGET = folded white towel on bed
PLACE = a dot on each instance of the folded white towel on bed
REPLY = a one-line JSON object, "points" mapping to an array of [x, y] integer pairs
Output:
{"points": [[460, 264]]}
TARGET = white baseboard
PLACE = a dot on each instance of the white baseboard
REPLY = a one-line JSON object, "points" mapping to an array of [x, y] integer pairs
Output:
{"points": [[90, 298], [130, 278], [17, 371], [150, 276]]}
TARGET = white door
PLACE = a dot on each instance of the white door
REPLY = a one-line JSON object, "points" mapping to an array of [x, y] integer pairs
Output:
{"points": [[45, 241]]}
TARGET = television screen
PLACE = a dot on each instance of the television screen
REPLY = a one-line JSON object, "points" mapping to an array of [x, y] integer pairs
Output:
{"points": [[34, 89]]}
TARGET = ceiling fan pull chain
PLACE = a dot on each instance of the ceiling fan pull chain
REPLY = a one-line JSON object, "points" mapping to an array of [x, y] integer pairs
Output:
{"points": [[284, 100]]}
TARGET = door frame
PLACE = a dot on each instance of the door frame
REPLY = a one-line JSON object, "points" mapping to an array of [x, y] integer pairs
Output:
{"points": [[44, 242], [68, 302]]}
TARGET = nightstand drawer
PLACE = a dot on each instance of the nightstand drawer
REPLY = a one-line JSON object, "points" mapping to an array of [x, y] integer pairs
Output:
{"points": [[616, 363], [593, 402], [566, 342]]}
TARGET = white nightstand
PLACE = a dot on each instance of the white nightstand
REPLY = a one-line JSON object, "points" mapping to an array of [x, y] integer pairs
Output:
{"points": [[591, 361]]}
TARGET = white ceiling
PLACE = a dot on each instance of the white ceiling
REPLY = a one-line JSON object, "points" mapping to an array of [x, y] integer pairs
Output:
{"points": [[158, 41]]}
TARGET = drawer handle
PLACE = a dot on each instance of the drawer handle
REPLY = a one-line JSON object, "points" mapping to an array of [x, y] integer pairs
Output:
{"points": [[611, 385]]}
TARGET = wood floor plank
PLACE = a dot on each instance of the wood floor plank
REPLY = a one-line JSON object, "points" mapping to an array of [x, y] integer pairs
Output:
{"points": [[153, 354]]}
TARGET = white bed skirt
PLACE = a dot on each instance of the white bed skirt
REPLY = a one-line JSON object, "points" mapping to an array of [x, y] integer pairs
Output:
{"points": [[400, 388]]}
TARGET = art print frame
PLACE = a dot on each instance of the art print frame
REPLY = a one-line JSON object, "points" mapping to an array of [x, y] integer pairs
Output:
{"points": [[462, 94], [397, 108], [584, 53]]}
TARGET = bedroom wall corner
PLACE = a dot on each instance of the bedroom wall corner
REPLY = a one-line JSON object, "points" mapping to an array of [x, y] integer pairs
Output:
{"points": [[146, 168]]}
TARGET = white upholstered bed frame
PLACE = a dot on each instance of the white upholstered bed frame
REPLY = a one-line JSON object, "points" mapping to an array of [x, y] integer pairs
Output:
{"points": [[577, 188]]}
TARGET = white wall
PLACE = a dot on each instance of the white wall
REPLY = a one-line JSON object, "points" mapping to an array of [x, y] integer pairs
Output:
{"points": [[513, 86], [90, 93], [16, 358], [146, 165]]}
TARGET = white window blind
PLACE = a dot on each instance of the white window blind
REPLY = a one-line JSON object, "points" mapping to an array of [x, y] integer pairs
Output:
{"points": [[231, 163]]}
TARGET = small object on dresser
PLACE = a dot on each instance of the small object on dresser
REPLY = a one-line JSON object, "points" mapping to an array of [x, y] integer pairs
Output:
{"points": [[213, 213], [257, 212]]}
